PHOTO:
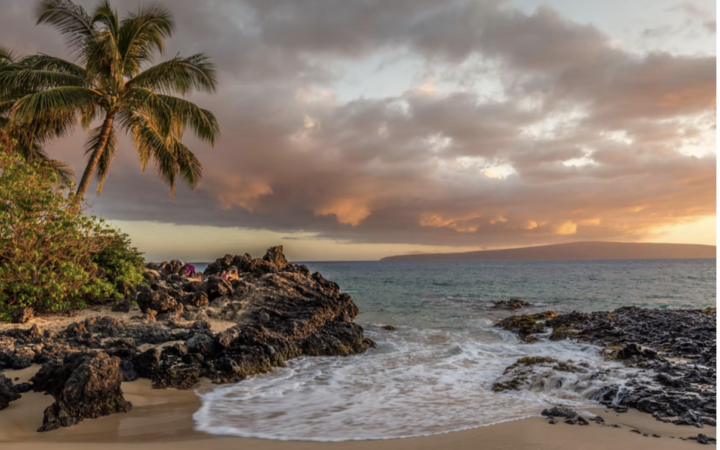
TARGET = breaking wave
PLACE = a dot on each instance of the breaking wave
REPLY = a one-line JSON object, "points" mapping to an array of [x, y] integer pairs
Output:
{"points": [[416, 383]]}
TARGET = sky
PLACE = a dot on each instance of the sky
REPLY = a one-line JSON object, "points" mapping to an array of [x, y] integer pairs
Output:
{"points": [[361, 129]]}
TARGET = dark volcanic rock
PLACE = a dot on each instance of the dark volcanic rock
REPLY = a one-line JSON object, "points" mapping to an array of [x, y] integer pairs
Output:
{"points": [[202, 344], [147, 363], [196, 299], [274, 261], [8, 392], [194, 286], [177, 374], [217, 287], [526, 326], [676, 333], [23, 315], [281, 311], [85, 386], [276, 257], [673, 350], [174, 267], [158, 301], [127, 368], [512, 304], [336, 339], [121, 306], [16, 358], [560, 411], [634, 350]]}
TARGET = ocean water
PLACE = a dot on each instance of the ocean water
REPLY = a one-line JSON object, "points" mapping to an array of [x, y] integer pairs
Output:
{"points": [[434, 373]]}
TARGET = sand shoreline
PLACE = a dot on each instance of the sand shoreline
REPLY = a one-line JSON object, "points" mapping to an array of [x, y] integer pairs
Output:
{"points": [[162, 419]]}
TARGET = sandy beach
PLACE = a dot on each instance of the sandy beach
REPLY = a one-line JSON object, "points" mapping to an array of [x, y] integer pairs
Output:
{"points": [[162, 419], [364, 224]]}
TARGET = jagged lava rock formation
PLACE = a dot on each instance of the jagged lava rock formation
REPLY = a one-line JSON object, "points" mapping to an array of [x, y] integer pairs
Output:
{"points": [[673, 350], [280, 311], [85, 385]]}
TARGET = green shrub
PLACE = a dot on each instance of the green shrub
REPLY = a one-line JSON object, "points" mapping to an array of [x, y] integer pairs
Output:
{"points": [[120, 262], [52, 256]]}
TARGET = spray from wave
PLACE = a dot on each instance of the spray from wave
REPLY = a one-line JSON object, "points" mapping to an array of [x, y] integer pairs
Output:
{"points": [[416, 383]]}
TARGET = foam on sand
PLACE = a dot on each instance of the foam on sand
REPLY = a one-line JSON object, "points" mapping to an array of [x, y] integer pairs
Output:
{"points": [[416, 383]]}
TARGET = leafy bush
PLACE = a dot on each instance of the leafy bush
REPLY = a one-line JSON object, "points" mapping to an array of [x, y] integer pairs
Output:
{"points": [[121, 262], [52, 256]]}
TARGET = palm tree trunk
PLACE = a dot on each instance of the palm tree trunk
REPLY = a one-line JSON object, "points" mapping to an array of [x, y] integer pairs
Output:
{"points": [[95, 158]]}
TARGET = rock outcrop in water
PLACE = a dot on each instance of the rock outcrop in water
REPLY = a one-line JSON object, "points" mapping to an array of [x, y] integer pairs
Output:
{"points": [[512, 304], [527, 326], [279, 311], [537, 372], [674, 353]]}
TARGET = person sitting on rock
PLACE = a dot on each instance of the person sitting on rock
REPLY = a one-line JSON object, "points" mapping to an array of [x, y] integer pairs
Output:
{"points": [[189, 270]]}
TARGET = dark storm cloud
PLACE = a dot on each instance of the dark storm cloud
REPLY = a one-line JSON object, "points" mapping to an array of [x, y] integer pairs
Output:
{"points": [[421, 166]]}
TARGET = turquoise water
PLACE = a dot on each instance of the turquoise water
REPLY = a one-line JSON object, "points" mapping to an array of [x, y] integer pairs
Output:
{"points": [[450, 294], [434, 374]]}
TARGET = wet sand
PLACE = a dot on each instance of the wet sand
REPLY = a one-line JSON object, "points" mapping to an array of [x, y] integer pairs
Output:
{"points": [[162, 420]]}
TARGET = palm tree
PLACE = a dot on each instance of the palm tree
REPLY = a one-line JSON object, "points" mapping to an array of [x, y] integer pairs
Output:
{"points": [[27, 139], [111, 82]]}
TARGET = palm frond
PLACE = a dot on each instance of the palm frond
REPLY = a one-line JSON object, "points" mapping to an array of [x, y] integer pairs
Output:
{"points": [[107, 16], [152, 106], [14, 83], [52, 63], [6, 108], [103, 60], [54, 104], [108, 154], [16, 141], [179, 75], [88, 116], [187, 114], [152, 144], [8, 56], [189, 166], [145, 136], [69, 19], [63, 171], [42, 131], [142, 35], [35, 132]]}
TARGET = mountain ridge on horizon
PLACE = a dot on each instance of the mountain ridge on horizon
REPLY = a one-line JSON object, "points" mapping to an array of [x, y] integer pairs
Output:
{"points": [[587, 250]]}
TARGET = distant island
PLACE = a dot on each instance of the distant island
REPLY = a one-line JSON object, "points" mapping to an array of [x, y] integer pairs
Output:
{"points": [[575, 250]]}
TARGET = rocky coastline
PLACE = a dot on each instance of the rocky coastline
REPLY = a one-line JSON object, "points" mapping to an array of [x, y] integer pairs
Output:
{"points": [[673, 354], [245, 316], [275, 310]]}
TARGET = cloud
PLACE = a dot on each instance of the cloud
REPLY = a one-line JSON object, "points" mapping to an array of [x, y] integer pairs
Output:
{"points": [[697, 14], [692, 9], [233, 190], [710, 25], [565, 136]]}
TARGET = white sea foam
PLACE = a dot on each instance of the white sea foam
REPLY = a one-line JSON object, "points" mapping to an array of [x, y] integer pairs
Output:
{"points": [[417, 382]]}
